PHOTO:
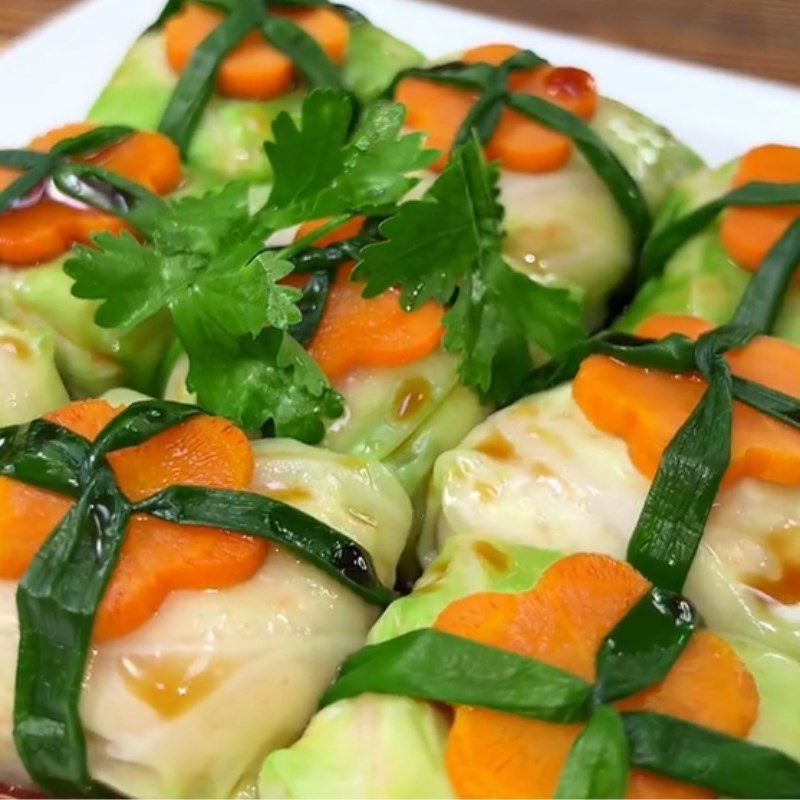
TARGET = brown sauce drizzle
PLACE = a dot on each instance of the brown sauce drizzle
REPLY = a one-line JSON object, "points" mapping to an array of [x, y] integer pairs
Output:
{"points": [[15, 346], [496, 446], [171, 685], [492, 556], [287, 494], [784, 545], [411, 398]]}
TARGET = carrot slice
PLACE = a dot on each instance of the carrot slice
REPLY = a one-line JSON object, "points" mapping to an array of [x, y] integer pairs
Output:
{"points": [[341, 234], [562, 622], [355, 332], [748, 234], [518, 144], [47, 141], [48, 227], [647, 407], [157, 557], [254, 70]]}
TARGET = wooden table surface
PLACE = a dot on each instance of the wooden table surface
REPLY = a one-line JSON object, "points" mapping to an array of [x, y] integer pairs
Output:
{"points": [[757, 36]]}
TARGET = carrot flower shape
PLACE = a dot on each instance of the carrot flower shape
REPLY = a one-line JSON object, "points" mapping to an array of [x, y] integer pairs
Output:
{"points": [[748, 234], [357, 332], [562, 622], [647, 407], [255, 70], [49, 227], [518, 143], [157, 557]]}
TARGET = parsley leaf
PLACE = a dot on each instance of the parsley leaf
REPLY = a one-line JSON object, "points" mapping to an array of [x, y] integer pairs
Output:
{"points": [[325, 167], [448, 247], [431, 243], [204, 261], [269, 371], [135, 280], [497, 315]]}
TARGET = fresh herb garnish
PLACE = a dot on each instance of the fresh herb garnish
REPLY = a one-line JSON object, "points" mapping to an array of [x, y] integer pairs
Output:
{"points": [[59, 595], [447, 247], [204, 261]]}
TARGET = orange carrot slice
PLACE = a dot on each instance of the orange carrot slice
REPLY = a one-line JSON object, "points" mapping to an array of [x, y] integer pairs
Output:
{"points": [[518, 144], [355, 332], [157, 557], [49, 228], [748, 234], [562, 622], [647, 407], [254, 70]]}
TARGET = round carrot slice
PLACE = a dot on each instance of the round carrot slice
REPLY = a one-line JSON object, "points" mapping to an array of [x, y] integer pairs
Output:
{"points": [[48, 227], [518, 143], [157, 557], [562, 622], [356, 332], [748, 234], [646, 408], [254, 70]]}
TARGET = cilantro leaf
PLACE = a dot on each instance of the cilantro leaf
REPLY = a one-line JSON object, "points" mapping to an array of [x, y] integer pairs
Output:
{"points": [[203, 263], [136, 280], [328, 164], [498, 314], [269, 371], [125, 276], [433, 243], [203, 260], [449, 245]]}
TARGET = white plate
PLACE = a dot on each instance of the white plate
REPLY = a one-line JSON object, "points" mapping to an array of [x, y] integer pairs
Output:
{"points": [[52, 76]]}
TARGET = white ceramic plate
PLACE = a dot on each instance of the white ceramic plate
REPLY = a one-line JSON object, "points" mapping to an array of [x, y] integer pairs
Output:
{"points": [[52, 76]]}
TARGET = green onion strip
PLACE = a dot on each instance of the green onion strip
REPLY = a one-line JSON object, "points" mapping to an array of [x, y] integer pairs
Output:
{"points": [[666, 240]]}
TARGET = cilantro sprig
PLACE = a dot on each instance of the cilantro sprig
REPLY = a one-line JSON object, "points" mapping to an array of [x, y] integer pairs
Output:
{"points": [[448, 247], [204, 262]]}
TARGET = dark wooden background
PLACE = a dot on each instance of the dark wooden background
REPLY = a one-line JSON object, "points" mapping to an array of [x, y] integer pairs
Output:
{"points": [[757, 36]]}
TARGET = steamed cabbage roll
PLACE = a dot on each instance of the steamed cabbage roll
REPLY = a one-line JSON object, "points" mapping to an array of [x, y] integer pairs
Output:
{"points": [[569, 469], [707, 275], [390, 746], [39, 229], [563, 226], [209, 648], [254, 85]]}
